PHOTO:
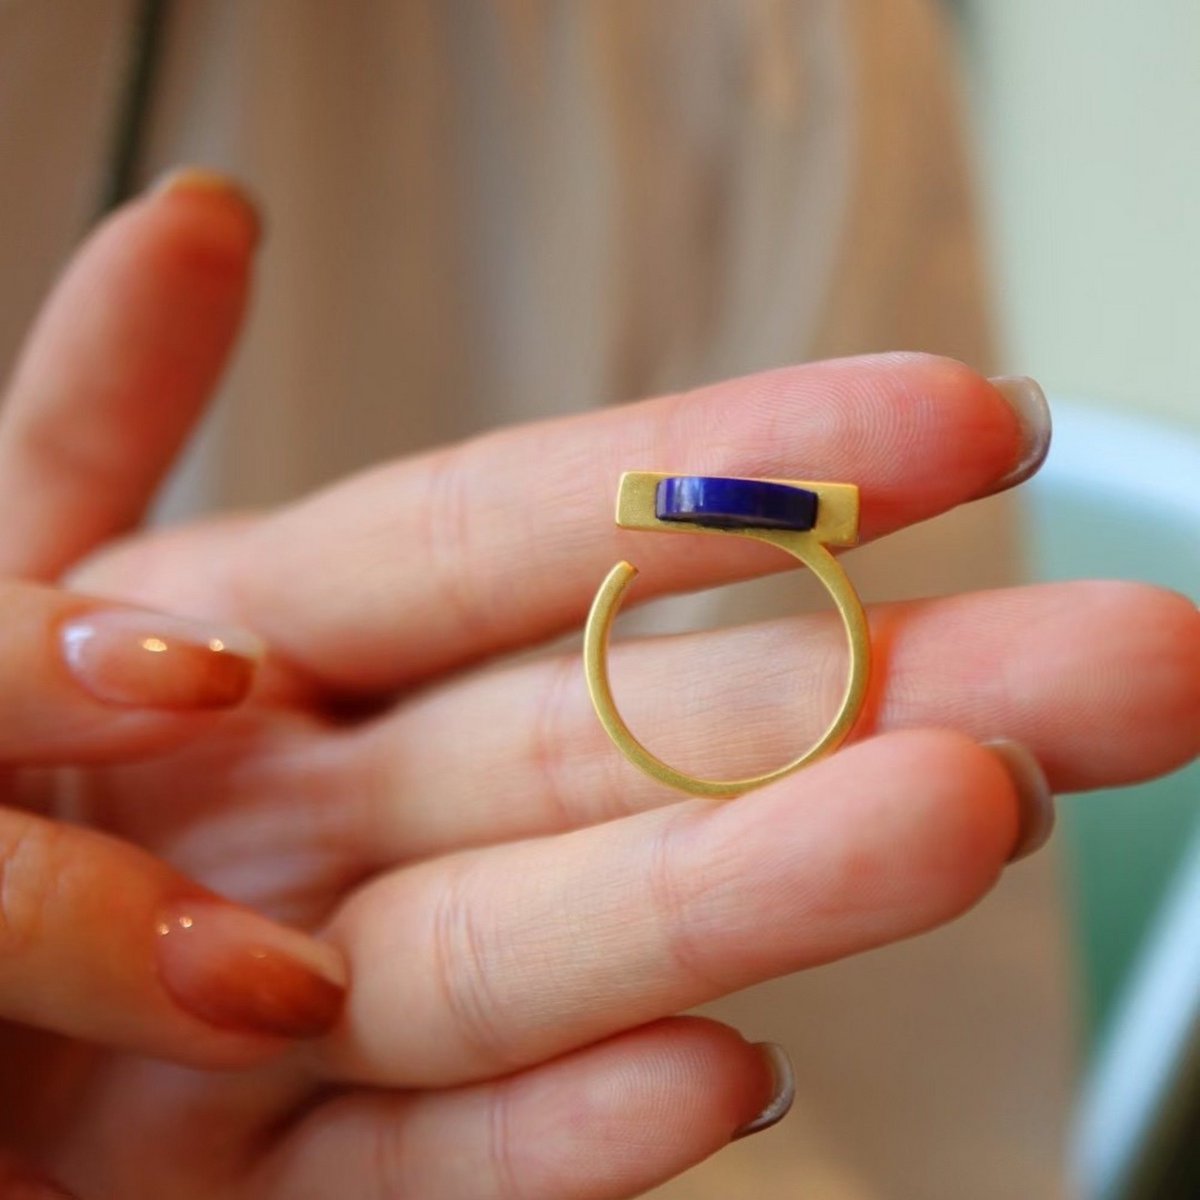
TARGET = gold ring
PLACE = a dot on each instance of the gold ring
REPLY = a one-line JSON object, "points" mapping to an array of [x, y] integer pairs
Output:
{"points": [[800, 517]]}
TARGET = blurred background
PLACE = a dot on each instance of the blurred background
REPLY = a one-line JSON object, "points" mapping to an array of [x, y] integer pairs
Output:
{"points": [[482, 211]]}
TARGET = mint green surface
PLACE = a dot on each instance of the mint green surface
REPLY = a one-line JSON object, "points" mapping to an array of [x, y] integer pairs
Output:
{"points": [[1122, 846]]}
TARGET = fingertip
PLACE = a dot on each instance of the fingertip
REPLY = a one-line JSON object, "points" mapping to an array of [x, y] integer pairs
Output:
{"points": [[191, 224], [86, 680], [777, 1066], [136, 658], [896, 410], [965, 814], [887, 838], [1035, 800], [1132, 713], [1002, 433], [238, 971], [678, 1089], [220, 204], [1030, 412], [100, 941], [745, 1086], [1169, 670]]}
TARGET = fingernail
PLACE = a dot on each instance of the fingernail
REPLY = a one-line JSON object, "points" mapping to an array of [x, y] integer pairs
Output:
{"points": [[139, 659], [1034, 797], [240, 972], [203, 181], [1028, 403], [784, 1092]]}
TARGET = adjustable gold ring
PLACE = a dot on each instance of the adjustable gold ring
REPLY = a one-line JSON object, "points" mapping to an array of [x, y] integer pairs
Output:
{"points": [[800, 517]]}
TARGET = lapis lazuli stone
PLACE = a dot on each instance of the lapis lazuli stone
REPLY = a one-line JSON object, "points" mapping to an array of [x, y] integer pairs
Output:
{"points": [[735, 503]]}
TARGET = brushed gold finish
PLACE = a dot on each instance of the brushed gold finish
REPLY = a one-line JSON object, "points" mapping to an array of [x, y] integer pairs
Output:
{"points": [[837, 524]]}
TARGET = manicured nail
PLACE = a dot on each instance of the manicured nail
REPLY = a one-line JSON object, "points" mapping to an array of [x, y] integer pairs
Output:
{"points": [[1034, 797], [201, 180], [238, 971], [139, 659], [1028, 403], [783, 1094]]}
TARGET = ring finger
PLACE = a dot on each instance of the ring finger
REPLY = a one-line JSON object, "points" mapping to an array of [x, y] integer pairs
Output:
{"points": [[477, 964]]}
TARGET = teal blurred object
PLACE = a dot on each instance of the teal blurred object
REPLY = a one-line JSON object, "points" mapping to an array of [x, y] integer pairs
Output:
{"points": [[1120, 498]]}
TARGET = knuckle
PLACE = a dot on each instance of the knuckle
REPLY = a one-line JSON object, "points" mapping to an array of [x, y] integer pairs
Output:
{"points": [[573, 772], [673, 893], [60, 453], [462, 967], [447, 534], [502, 1146], [390, 1156], [401, 1163], [550, 750]]}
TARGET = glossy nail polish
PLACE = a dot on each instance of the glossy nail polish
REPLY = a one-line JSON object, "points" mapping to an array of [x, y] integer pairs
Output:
{"points": [[782, 1095], [205, 182], [1028, 403], [138, 659], [238, 971], [1034, 797]]}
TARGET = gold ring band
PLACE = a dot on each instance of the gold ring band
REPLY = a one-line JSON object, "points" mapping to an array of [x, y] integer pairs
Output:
{"points": [[640, 506]]}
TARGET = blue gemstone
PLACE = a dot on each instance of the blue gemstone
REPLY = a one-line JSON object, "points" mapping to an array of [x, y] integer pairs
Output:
{"points": [[735, 503]]}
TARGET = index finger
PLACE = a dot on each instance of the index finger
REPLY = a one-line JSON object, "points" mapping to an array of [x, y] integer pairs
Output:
{"points": [[427, 564]]}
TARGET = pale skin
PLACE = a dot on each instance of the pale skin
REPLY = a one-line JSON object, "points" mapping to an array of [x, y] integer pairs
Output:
{"points": [[520, 914]]}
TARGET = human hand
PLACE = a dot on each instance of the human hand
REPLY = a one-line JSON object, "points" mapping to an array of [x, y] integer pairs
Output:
{"points": [[521, 913]]}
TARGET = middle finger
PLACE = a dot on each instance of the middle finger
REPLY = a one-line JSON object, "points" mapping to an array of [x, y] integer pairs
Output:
{"points": [[1100, 679]]}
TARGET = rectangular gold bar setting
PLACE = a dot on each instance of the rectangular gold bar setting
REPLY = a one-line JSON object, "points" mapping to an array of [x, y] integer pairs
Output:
{"points": [[837, 507]]}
